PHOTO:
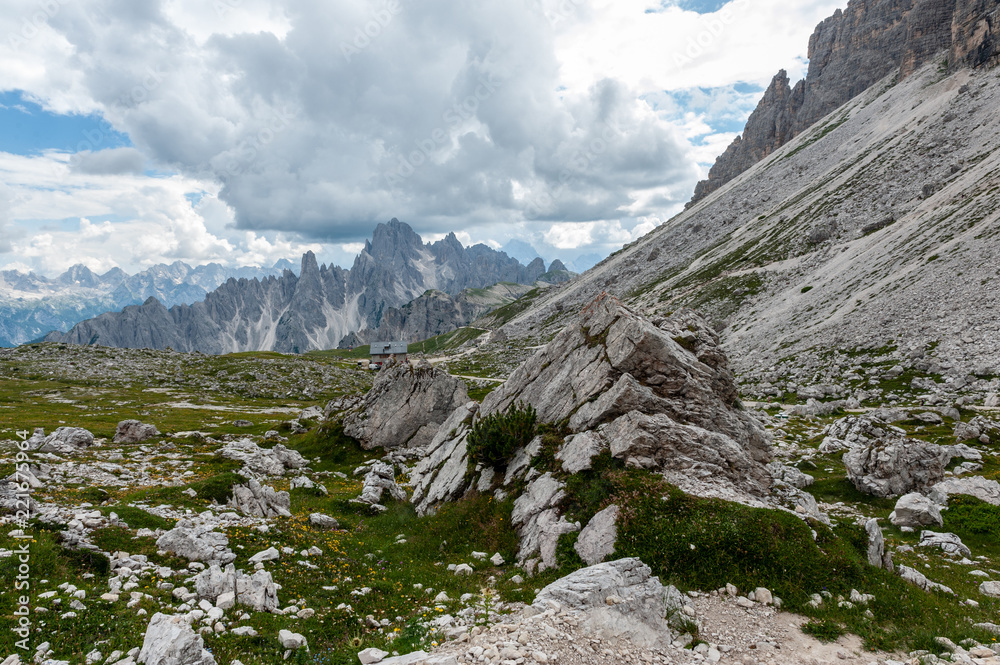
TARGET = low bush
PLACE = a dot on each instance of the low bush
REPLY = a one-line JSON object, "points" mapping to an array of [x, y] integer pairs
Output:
{"points": [[494, 438]]}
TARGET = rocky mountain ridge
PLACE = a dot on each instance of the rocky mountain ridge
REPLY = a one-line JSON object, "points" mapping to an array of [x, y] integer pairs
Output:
{"points": [[865, 247], [313, 310], [32, 305], [851, 51], [436, 312]]}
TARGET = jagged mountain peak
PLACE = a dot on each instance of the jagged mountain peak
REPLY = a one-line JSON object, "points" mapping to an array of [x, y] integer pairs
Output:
{"points": [[317, 309]]}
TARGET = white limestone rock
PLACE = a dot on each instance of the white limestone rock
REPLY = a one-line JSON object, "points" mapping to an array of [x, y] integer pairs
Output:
{"points": [[620, 600], [133, 431], [538, 522], [578, 450], [170, 640], [914, 576], [266, 461], [877, 554], [949, 543], [259, 500], [196, 542], [916, 510], [977, 486], [891, 467], [323, 521], [597, 540], [405, 407], [678, 401], [67, 441]]}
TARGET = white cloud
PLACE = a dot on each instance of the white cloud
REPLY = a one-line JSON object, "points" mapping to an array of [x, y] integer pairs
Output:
{"points": [[573, 124], [89, 230]]}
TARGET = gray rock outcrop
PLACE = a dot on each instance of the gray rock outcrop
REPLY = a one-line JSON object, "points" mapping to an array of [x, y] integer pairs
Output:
{"points": [[662, 391], [379, 480], [322, 521], [133, 431], [170, 640], [619, 599], [658, 397], [67, 441], [197, 542], [790, 475], [538, 522], [440, 474], [260, 500], [256, 591], [877, 554], [597, 540], [405, 407], [892, 467], [948, 543], [915, 510], [274, 461], [981, 488], [914, 576]]}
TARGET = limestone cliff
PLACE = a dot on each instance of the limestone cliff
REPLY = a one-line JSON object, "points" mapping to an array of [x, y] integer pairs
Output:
{"points": [[848, 53]]}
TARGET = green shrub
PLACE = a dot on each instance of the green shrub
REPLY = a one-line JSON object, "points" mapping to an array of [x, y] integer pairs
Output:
{"points": [[824, 631], [706, 543], [495, 438], [218, 488]]}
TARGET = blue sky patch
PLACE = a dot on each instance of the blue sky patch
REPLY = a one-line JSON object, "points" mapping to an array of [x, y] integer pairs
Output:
{"points": [[725, 109], [28, 129], [699, 6]]}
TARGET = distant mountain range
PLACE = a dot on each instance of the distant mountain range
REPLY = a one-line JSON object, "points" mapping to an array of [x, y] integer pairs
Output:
{"points": [[317, 308], [31, 305]]}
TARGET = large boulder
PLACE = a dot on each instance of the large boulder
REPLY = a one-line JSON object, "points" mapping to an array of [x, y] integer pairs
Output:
{"points": [[662, 391], [274, 461], [538, 522], [891, 467], [196, 542], [916, 510], [133, 431], [948, 543], [67, 441], [597, 540], [170, 640], [440, 474], [380, 480], [405, 407], [877, 554], [618, 599], [977, 486], [257, 591], [260, 500]]}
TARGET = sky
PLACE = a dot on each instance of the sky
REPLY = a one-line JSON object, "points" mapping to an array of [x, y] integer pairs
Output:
{"points": [[246, 131]]}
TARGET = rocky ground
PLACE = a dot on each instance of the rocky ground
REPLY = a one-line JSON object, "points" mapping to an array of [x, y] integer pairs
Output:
{"points": [[193, 509]]}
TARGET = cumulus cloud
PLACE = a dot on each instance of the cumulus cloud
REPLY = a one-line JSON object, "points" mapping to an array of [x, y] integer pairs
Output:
{"points": [[316, 119], [130, 221], [114, 161]]}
